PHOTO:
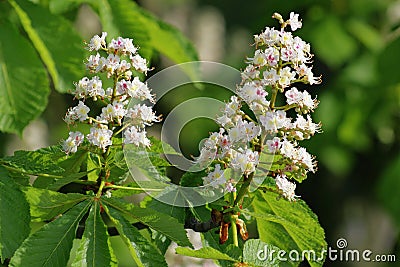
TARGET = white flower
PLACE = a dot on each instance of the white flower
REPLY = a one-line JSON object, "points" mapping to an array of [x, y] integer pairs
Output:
{"points": [[294, 21], [287, 149], [249, 73], [97, 42], [70, 117], [293, 96], [135, 89], [287, 54], [207, 155], [252, 91], [111, 64], [286, 76], [81, 111], [81, 88], [273, 145], [73, 141], [142, 115], [94, 88], [303, 157], [132, 135], [286, 38], [123, 66], [259, 58], [100, 137], [269, 37], [93, 62], [245, 161], [270, 76], [225, 121], [215, 178], [251, 130], [139, 63], [113, 111], [122, 46], [274, 120], [287, 188], [307, 101], [272, 56]]}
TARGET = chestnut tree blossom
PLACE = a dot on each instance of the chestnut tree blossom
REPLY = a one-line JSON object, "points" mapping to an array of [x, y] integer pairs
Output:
{"points": [[281, 61], [118, 60]]}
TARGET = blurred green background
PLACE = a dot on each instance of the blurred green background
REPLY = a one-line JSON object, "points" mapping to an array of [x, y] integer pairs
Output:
{"points": [[356, 191]]}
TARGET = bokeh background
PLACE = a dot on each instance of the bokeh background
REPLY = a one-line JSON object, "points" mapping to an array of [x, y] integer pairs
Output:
{"points": [[356, 191]]}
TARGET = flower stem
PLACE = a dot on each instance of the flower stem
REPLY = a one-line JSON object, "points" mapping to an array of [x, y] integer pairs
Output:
{"points": [[273, 98], [102, 184], [244, 188], [133, 188], [234, 231]]}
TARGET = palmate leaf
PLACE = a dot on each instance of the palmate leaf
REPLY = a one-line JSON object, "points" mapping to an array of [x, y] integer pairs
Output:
{"points": [[142, 251], [46, 204], [288, 225], [24, 86], [95, 248], [62, 53], [158, 221], [51, 244], [14, 219]]}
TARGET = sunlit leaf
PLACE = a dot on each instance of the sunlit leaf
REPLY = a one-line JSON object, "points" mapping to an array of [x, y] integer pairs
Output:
{"points": [[24, 85], [289, 225], [46, 204], [62, 53]]}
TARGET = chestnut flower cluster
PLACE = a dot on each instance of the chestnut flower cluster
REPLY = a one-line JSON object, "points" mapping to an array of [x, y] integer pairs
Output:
{"points": [[118, 60], [281, 60]]}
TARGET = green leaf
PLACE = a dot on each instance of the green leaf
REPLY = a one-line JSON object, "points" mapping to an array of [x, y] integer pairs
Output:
{"points": [[366, 34], [148, 32], [93, 166], [52, 166], [14, 219], [173, 211], [62, 53], [39, 162], [389, 183], [204, 253], [160, 147], [51, 244], [211, 239], [332, 43], [288, 225], [387, 63], [46, 204], [258, 253], [193, 179], [95, 248], [24, 86], [160, 222], [142, 251]]}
